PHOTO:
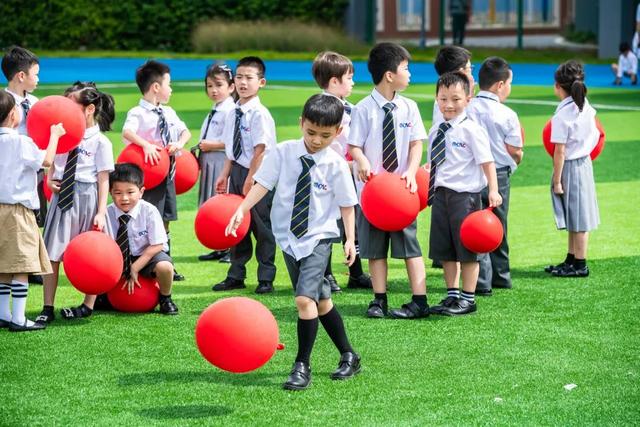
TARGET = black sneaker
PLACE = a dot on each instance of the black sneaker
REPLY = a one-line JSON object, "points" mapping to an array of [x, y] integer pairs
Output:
{"points": [[177, 277], [570, 271], [333, 283], [459, 308], [483, 292], [168, 307], [299, 378], [411, 310], [264, 287], [211, 256], [445, 303], [377, 309], [361, 282], [4, 323], [228, 284]]}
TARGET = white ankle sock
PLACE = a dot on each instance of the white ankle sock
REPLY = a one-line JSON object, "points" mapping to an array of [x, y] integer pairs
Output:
{"points": [[5, 295], [19, 292]]}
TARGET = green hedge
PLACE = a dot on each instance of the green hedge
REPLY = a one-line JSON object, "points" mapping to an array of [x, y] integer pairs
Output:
{"points": [[143, 24]]}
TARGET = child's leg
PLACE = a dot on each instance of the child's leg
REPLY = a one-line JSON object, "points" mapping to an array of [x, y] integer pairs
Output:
{"points": [[451, 274], [470, 272], [164, 275], [417, 275], [5, 295], [378, 270], [307, 327], [580, 243], [19, 291], [333, 324], [51, 285]]}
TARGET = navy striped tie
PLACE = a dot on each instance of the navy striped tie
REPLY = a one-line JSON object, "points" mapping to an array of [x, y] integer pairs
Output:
{"points": [[437, 157], [237, 136], [122, 239], [165, 136], [209, 117], [26, 106], [300, 214], [347, 108], [65, 197], [389, 154]]}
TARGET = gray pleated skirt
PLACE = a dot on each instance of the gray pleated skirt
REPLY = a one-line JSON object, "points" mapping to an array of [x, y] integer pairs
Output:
{"points": [[577, 209], [211, 164], [60, 227]]}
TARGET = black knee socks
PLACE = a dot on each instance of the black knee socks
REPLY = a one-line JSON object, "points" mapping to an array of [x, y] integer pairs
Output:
{"points": [[307, 332], [333, 324]]}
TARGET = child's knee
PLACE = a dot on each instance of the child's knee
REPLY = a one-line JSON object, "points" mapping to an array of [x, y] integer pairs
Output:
{"points": [[305, 304], [325, 306], [163, 268]]}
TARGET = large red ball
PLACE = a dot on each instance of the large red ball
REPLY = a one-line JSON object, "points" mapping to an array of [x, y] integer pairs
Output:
{"points": [[187, 171], [237, 334], [45, 188], [481, 231], [212, 220], [142, 300], [93, 262], [422, 179], [153, 174], [52, 110], [387, 203], [550, 147]]}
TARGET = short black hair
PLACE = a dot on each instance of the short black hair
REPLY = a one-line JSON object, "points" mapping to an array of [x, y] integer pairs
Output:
{"points": [[17, 59], [452, 79], [149, 73], [254, 62], [7, 103], [624, 47], [126, 172], [385, 57], [494, 69], [323, 110], [451, 58]]}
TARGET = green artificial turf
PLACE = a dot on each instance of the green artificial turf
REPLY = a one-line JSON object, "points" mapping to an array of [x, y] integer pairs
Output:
{"points": [[505, 365]]}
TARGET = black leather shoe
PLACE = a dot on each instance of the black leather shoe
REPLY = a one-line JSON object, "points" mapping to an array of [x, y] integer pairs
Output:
{"points": [[168, 307], [35, 280], [333, 283], [4, 323], [411, 310], [483, 292], [570, 271], [445, 303], [264, 287], [361, 282], [211, 256], [377, 309], [228, 284], [459, 308], [226, 258], [44, 318], [177, 277], [27, 326], [348, 367], [551, 268], [299, 378]]}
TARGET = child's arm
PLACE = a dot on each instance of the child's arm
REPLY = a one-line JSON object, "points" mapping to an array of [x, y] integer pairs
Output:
{"points": [[364, 167], [516, 153], [348, 219], [256, 194], [100, 219], [149, 252], [185, 136], [221, 182], [256, 161], [206, 146], [558, 164], [415, 156], [150, 150], [489, 170], [56, 132]]}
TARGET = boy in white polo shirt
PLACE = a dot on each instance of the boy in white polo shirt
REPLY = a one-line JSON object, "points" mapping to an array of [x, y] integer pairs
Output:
{"points": [[249, 134], [313, 187], [627, 65], [461, 166], [505, 135]]}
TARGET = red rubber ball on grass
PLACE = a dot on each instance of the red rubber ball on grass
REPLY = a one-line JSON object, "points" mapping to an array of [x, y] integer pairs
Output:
{"points": [[212, 220], [142, 300], [187, 171], [550, 147], [93, 262], [481, 231], [237, 334], [52, 110], [422, 179], [387, 203], [153, 174]]}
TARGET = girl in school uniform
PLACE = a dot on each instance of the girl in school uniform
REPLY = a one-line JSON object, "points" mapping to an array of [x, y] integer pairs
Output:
{"points": [[221, 90], [573, 191], [22, 251], [80, 183]]}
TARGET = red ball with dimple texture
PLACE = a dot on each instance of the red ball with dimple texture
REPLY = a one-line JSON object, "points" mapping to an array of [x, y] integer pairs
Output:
{"points": [[387, 203]]}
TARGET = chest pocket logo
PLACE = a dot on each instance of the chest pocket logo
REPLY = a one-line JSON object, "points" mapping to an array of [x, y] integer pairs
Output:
{"points": [[142, 233], [320, 186], [405, 125], [456, 144]]}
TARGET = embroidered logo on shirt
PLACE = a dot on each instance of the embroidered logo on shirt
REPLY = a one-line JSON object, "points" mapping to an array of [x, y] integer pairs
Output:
{"points": [[142, 233], [405, 125], [320, 186], [459, 144], [245, 128], [84, 152]]}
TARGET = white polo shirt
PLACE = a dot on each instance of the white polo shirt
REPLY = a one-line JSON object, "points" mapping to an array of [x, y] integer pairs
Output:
{"points": [[95, 154], [145, 228], [341, 144], [217, 121], [577, 130], [256, 127], [22, 128], [467, 148], [20, 161], [144, 122], [366, 130], [500, 122], [627, 64], [331, 188]]}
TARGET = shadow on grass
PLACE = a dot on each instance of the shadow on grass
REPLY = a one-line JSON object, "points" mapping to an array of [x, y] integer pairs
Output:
{"points": [[178, 412], [251, 379]]}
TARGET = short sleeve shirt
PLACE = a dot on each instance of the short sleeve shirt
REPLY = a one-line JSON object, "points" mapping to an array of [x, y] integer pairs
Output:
{"points": [[577, 130], [20, 160], [145, 228], [143, 121], [95, 154]]}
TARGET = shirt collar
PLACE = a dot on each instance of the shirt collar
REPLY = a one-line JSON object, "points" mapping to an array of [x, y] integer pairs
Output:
{"points": [[568, 100], [249, 105], [300, 150], [147, 105], [9, 131], [381, 100], [133, 213], [228, 102], [19, 98], [487, 94], [91, 132], [455, 122]]}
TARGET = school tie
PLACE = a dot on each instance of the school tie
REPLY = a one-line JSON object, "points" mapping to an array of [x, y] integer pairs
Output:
{"points": [[122, 239], [209, 117], [65, 197], [26, 106], [237, 136], [347, 108], [389, 155], [163, 128], [300, 214], [437, 157]]}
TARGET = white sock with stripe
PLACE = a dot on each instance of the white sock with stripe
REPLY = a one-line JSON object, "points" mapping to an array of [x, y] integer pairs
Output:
{"points": [[19, 292], [5, 295]]}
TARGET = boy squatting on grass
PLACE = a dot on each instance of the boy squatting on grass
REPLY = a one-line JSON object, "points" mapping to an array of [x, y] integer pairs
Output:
{"points": [[310, 192]]}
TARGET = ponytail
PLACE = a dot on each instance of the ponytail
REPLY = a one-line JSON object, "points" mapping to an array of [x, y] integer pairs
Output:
{"points": [[105, 111], [570, 77], [578, 93]]}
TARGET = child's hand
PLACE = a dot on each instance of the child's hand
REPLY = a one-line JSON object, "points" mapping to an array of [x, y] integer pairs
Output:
{"points": [[412, 185], [349, 252], [495, 199], [206, 146], [234, 223], [172, 148], [221, 184], [99, 221], [58, 130], [248, 183], [54, 185], [364, 169], [132, 282], [151, 153], [557, 188]]}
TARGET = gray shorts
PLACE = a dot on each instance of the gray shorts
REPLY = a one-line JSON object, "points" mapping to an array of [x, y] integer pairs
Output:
{"points": [[147, 270], [374, 243], [448, 211], [163, 197], [307, 274]]}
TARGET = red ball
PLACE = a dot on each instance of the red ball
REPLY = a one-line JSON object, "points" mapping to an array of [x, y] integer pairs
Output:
{"points": [[237, 334], [422, 179], [52, 110], [142, 300], [153, 174], [46, 189], [387, 203], [550, 147], [212, 220], [93, 262], [481, 231], [187, 171]]}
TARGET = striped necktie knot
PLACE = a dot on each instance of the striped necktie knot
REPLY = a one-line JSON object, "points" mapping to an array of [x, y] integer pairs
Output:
{"points": [[162, 126], [26, 106]]}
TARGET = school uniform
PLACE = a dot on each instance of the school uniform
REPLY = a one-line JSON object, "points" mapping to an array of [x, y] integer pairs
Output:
{"points": [[256, 127], [457, 184], [93, 155], [212, 162], [341, 144], [503, 127], [145, 228], [627, 65], [577, 209], [22, 249], [367, 133], [145, 120], [306, 242]]}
